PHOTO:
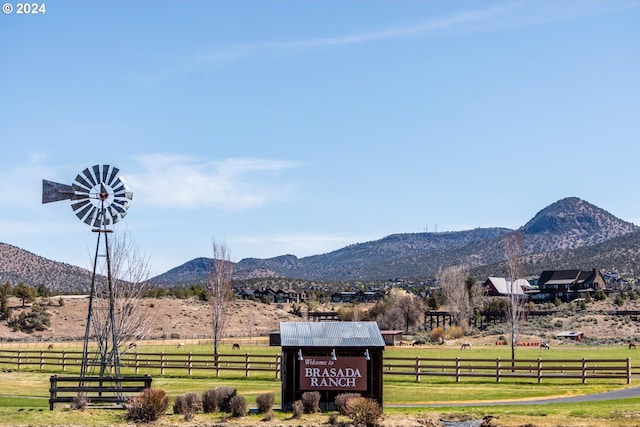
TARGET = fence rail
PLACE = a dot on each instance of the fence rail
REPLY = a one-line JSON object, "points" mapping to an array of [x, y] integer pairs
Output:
{"points": [[180, 361], [539, 369], [416, 367]]}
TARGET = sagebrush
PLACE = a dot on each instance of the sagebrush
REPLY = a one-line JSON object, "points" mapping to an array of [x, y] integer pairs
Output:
{"points": [[149, 406]]}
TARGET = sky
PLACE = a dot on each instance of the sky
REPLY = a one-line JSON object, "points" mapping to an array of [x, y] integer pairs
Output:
{"points": [[300, 127]]}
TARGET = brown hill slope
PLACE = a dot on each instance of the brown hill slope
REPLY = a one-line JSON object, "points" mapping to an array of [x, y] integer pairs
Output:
{"points": [[181, 318]]}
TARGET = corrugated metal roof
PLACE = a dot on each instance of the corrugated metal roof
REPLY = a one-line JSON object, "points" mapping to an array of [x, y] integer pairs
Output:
{"points": [[504, 287], [330, 334]]}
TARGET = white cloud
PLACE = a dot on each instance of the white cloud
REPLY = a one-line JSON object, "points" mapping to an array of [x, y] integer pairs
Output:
{"points": [[495, 18], [188, 183]]}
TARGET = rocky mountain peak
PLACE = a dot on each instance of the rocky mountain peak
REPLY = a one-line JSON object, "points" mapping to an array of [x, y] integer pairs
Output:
{"points": [[571, 223]]}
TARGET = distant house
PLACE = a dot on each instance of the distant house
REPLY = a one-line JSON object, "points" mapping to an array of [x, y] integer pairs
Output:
{"points": [[357, 296], [571, 335], [567, 285], [501, 287]]}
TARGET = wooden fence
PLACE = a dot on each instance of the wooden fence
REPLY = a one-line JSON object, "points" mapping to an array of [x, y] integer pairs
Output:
{"points": [[415, 367], [498, 369], [180, 361]]}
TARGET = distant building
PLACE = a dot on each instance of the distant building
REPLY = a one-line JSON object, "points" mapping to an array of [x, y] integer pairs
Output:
{"points": [[501, 287], [567, 285]]}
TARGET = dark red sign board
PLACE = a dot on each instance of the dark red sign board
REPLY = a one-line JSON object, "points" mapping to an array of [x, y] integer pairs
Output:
{"points": [[322, 373]]}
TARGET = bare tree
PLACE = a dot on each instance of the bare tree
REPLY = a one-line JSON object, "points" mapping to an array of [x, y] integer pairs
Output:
{"points": [[219, 285], [516, 299], [453, 284], [121, 320], [401, 310]]}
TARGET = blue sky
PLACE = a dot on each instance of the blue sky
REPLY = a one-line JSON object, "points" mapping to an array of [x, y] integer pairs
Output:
{"points": [[284, 127]]}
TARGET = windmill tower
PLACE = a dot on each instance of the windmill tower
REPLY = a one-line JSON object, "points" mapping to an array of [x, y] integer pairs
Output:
{"points": [[100, 198]]}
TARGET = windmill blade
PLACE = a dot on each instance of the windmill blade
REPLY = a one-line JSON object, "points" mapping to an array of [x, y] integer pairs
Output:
{"points": [[54, 191], [99, 215], [87, 174], [115, 217], [82, 185], [105, 170], [122, 211], [96, 173], [80, 205], [84, 211], [120, 202], [114, 172]]}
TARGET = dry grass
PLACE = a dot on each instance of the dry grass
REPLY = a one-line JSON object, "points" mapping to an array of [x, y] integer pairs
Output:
{"points": [[183, 318]]}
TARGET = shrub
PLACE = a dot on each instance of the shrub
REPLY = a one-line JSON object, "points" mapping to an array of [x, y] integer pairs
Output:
{"points": [[238, 406], [218, 399], [265, 402], [298, 409], [436, 334], [210, 401], [342, 399], [187, 403], [224, 394], [37, 319], [455, 332], [149, 406], [364, 412], [311, 402], [80, 401]]}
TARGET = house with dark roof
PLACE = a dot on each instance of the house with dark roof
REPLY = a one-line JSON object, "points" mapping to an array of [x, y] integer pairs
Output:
{"points": [[568, 285]]}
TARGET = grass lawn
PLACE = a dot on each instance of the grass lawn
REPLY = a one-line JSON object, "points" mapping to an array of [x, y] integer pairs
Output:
{"points": [[24, 395]]}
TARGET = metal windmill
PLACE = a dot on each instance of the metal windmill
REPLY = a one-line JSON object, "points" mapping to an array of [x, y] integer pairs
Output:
{"points": [[99, 198]]}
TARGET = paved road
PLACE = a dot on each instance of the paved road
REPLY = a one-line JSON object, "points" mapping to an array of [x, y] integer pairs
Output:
{"points": [[607, 395]]}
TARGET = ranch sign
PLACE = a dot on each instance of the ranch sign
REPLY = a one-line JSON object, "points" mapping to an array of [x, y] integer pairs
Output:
{"points": [[323, 373]]}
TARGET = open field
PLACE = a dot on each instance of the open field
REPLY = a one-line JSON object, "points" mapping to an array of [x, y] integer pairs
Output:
{"points": [[24, 395]]}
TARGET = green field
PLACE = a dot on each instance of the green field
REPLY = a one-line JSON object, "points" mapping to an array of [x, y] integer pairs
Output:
{"points": [[24, 395]]}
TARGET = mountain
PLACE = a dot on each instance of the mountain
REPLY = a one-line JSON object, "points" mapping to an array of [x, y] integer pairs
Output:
{"points": [[557, 230], [18, 265], [570, 233]]}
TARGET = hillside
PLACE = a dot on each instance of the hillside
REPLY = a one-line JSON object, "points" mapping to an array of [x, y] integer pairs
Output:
{"points": [[180, 318], [559, 234], [20, 266], [570, 233]]}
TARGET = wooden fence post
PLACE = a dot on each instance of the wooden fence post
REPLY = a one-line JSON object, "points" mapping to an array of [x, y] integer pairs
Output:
{"points": [[278, 366], [53, 390], [247, 365], [162, 363], [498, 369], [137, 364], [539, 370], [628, 370], [217, 363], [19, 360], [41, 359], [64, 360], [189, 363], [417, 367], [457, 369], [584, 370]]}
